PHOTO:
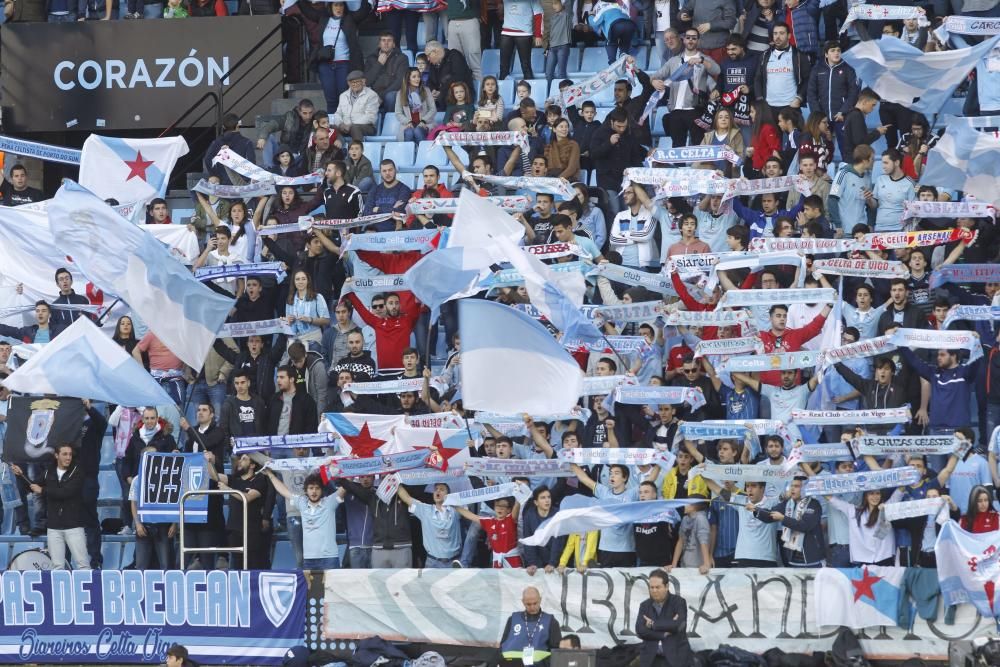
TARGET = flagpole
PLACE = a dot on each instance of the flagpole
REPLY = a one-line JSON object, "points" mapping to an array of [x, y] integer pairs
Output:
{"points": [[100, 319]]}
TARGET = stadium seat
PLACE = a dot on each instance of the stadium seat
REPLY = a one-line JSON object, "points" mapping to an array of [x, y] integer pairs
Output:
{"points": [[4, 552], [491, 62], [656, 124], [108, 453], [506, 90], [128, 555], [594, 59], [410, 179], [537, 64], [390, 125], [602, 113], [539, 92], [400, 152], [111, 490], [373, 151], [655, 58], [109, 512], [642, 57], [112, 553], [605, 97], [428, 153], [284, 557]]}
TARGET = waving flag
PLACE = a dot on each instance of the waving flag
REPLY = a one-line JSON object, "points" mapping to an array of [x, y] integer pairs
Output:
{"points": [[478, 220], [122, 259], [859, 597], [363, 435], [450, 443], [968, 160], [85, 363], [511, 364], [592, 516], [968, 568], [446, 274], [29, 254], [906, 75], [133, 171]]}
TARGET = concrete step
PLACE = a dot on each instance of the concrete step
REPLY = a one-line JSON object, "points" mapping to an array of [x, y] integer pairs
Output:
{"points": [[281, 106]]}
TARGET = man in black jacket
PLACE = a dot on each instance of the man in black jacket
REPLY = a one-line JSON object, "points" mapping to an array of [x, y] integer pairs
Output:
{"points": [[205, 436], [661, 624], [900, 313], [833, 89], [392, 545], [89, 460], [447, 65], [290, 412], [803, 544], [634, 106], [62, 488], [614, 148], [151, 433], [257, 360], [232, 139]]}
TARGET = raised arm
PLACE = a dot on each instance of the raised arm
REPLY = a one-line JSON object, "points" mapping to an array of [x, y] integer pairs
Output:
{"points": [[278, 485], [582, 475]]}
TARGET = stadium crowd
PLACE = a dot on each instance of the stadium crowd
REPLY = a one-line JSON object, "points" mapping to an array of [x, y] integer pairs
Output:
{"points": [[764, 79]]}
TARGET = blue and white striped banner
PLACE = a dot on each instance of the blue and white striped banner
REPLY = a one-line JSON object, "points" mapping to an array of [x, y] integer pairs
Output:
{"points": [[37, 149], [851, 482], [240, 270], [704, 153]]}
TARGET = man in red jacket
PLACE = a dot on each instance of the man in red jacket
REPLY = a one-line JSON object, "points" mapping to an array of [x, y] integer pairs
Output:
{"points": [[780, 339], [392, 331]]}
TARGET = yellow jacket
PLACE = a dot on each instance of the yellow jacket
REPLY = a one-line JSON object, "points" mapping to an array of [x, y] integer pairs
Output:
{"points": [[696, 485], [572, 549]]}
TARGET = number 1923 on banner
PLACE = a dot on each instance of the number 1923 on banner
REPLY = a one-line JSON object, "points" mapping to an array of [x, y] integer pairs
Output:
{"points": [[164, 479]]}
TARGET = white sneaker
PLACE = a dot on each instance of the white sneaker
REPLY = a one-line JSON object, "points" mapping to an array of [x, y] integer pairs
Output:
{"points": [[127, 530]]}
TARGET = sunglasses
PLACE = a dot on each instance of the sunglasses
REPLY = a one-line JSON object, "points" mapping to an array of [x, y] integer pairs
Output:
{"points": [[690, 371], [378, 305], [690, 36]]}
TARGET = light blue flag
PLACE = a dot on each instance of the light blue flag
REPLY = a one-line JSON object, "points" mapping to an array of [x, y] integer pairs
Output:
{"points": [[511, 364], [85, 363], [446, 274], [587, 516], [122, 259], [968, 568], [906, 75], [968, 160]]}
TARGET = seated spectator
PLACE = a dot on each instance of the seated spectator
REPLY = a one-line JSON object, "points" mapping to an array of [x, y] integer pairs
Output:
{"points": [[414, 108], [563, 153], [385, 70], [359, 173], [292, 131], [357, 110], [491, 103], [446, 66]]}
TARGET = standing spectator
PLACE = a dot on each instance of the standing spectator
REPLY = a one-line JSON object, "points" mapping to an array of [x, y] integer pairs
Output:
{"points": [[618, 542], [891, 191], [62, 488], [397, 19], [851, 192], [392, 545], [306, 311], [557, 19], [801, 527], [522, 28], [610, 20], [243, 414], [384, 70], [151, 432], [389, 196], [338, 54], [801, 16], [150, 538], [755, 26], [357, 111], [833, 90], [290, 412], [856, 132], [714, 20], [614, 148], [319, 522], [253, 487], [414, 108], [43, 332], [693, 547], [690, 76], [392, 328], [661, 624], [63, 318], [765, 142], [439, 524], [529, 636], [205, 436], [464, 35], [783, 72], [232, 139]]}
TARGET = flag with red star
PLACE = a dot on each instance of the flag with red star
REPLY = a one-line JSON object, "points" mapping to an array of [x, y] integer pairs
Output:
{"points": [[858, 597], [968, 567], [449, 444], [363, 435], [131, 171]]}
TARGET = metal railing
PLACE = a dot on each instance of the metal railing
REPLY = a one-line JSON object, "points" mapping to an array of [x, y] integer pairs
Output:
{"points": [[213, 492]]}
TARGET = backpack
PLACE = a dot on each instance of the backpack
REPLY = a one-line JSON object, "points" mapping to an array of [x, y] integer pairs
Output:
{"points": [[847, 650], [731, 656]]}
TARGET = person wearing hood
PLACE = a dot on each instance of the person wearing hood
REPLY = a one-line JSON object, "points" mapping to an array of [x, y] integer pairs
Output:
{"points": [[232, 139], [310, 371]]}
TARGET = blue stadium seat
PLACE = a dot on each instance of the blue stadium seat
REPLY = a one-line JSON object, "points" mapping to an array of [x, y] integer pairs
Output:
{"points": [[539, 92], [111, 490], [373, 151], [409, 179], [665, 142], [605, 97], [462, 155], [491, 62], [593, 179], [112, 553], [390, 125], [642, 57], [400, 152], [108, 453], [128, 555], [656, 126], [284, 557], [109, 512], [428, 153], [594, 60], [655, 58], [4, 551], [602, 113], [506, 90], [537, 64]]}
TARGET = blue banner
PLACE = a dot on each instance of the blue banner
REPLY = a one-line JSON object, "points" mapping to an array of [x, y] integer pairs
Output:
{"points": [[164, 479], [133, 616]]}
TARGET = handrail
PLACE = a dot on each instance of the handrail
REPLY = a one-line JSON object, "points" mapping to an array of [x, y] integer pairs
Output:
{"points": [[243, 551]]}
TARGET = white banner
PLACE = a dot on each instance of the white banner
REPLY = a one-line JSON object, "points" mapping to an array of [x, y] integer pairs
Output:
{"points": [[950, 209], [487, 467], [883, 445], [912, 508], [930, 339], [760, 297], [586, 456], [482, 495], [859, 350], [830, 485], [805, 246], [596, 385], [729, 346], [825, 417], [386, 386], [770, 362], [860, 268], [377, 283], [258, 328], [747, 473], [752, 609]]}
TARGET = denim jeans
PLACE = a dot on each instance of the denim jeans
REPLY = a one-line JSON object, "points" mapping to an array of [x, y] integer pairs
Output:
{"points": [[156, 541], [555, 62], [69, 17], [360, 558], [471, 544], [620, 39], [840, 556], [332, 563], [294, 524], [75, 539], [415, 134], [396, 19], [438, 563], [333, 79]]}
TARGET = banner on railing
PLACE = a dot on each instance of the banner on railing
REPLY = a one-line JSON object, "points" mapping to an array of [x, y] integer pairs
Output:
{"points": [[753, 609], [134, 616]]}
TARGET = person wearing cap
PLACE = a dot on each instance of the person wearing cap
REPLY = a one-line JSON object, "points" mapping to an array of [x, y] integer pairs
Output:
{"points": [[357, 109]]}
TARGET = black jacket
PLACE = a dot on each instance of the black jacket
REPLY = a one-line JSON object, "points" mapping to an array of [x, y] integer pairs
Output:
{"points": [[913, 318], [349, 25], [856, 131], [133, 453], [800, 69], [91, 440], [261, 369], [212, 440], [363, 368], [873, 395], [304, 417], [612, 160], [391, 527], [320, 268], [64, 497], [634, 108], [452, 67], [810, 525], [832, 90], [669, 630], [237, 143]]}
